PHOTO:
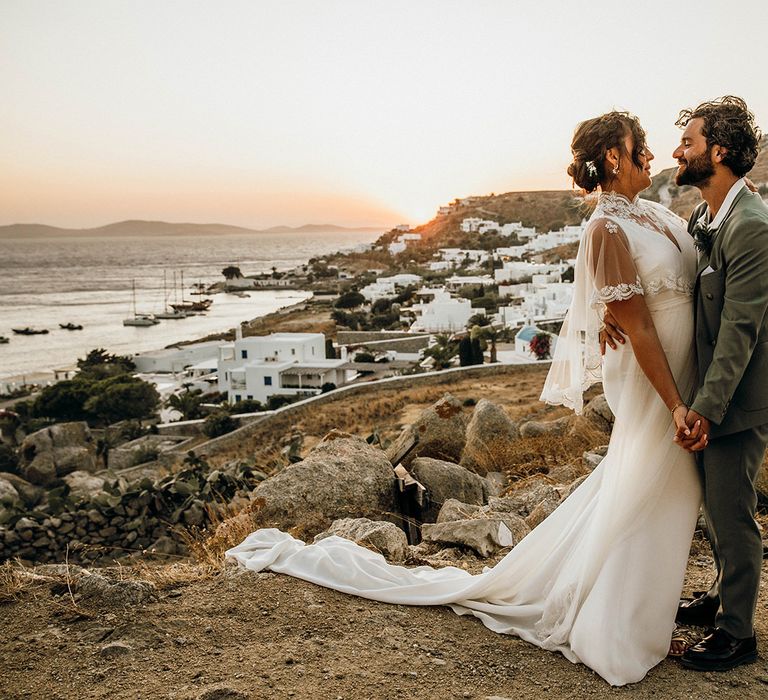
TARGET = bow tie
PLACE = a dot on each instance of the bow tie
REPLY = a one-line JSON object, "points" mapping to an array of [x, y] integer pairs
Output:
{"points": [[703, 237]]}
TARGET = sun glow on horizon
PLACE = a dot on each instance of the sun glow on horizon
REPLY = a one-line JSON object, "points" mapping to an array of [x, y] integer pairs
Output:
{"points": [[356, 114]]}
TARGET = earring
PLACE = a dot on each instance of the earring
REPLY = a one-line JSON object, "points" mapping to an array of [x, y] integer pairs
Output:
{"points": [[615, 171]]}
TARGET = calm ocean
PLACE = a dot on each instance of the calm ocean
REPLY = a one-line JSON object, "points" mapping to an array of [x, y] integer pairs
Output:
{"points": [[44, 282]]}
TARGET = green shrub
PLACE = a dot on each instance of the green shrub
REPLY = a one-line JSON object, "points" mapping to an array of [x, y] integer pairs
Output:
{"points": [[218, 423]]}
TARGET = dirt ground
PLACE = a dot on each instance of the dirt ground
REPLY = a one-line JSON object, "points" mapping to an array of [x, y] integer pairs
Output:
{"points": [[245, 635]]}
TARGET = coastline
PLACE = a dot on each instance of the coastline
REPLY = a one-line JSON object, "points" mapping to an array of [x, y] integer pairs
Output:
{"points": [[46, 377]]}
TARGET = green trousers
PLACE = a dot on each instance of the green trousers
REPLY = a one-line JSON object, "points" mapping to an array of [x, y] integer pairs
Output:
{"points": [[729, 466]]}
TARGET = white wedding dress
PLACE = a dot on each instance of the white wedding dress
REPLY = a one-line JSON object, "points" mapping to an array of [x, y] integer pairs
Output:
{"points": [[599, 580]]}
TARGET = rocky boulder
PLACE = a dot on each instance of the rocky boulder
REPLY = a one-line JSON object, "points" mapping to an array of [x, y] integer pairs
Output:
{"points": [[380, 536], [599, 413], [454, 510], [30, 494], [440, 432], [490, 434], [486, 536], [342, 477], [57, 450], [526, 497], [446, 480], [551, 428], [83, 486]]}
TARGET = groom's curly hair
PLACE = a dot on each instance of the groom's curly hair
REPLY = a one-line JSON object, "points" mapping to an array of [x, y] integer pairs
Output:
{"points": [[728, 123]]}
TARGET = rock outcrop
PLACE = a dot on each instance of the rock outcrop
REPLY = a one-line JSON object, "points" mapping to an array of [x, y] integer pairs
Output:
{"points": [[342, 477], [380, 536], [446, 480], [53, 452], [490, 435]]}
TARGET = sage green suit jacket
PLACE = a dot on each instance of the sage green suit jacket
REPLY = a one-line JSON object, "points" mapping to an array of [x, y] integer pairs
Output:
{"points": [[731, 323]]}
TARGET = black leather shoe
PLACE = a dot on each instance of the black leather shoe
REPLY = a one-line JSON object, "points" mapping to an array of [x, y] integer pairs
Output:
{"points": [[720, 652], [699, 612]]}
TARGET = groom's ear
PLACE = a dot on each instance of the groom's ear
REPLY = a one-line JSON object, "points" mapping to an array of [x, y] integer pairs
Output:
{"points": [[719, 153]]}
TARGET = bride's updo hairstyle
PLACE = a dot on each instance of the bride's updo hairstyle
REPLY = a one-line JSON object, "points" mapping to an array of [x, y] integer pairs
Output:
{"points": [[593, 138]]}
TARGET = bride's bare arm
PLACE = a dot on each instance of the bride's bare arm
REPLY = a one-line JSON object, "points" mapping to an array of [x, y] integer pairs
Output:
{"points": [[633, 317]]}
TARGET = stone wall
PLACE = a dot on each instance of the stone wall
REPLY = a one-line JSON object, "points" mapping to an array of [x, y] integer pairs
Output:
{"points": [[148, 515]]}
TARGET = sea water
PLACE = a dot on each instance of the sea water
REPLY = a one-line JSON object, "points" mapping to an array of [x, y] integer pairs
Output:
{"points": [[88, 281]]}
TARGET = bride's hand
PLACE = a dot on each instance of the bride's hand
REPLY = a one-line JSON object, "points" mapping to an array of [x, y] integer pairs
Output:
{"points": [[678, 417]]}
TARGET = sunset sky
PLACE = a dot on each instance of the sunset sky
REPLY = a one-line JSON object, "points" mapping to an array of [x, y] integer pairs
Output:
{"points": [[354, 112]]}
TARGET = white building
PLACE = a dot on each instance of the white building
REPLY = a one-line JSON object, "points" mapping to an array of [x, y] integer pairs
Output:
{"points": [[403, 227], [443, 314], [176, 359], [379, 289], [458, 281], [514, 271], [396, 246], [288, 364], [401, 280]]}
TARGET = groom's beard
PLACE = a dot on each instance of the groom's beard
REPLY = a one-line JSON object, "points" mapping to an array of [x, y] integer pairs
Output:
{"points": [[696, 171]]}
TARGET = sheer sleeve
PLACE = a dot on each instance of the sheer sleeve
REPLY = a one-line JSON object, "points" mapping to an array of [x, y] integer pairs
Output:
{"points": [[605, 271], [609, 263]]}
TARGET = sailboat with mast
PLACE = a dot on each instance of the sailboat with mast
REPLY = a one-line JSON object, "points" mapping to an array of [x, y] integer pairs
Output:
{"points": [[139, 319], [169, 311], [191, 306]]}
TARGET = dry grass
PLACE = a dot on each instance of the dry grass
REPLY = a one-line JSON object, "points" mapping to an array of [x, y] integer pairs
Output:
{"points": [[228, 529], [385, 410], [533, 455], [12, 582]]}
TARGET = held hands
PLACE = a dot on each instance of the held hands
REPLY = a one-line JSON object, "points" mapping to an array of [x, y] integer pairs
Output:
{"points": [[693, 431], [611, 334]]}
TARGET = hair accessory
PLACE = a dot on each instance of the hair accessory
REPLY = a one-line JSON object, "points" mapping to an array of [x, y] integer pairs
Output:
{"points": [[591, 168]]}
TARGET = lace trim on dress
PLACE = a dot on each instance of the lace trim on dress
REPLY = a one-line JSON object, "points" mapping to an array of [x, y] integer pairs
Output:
{"points": [[618, 292], [614, 204], [677, 283]]}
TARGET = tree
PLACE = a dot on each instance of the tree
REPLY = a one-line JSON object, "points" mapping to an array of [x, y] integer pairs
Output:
{"points": [[364, 357], [121, 398], [232, 272], [477, 352], [247, 406], [99, 364], [489, 335], [350, 300], [465, 352], [381, 306], [218, 423], [442, 352], [478, 320], [64, 401], [187, 403]]}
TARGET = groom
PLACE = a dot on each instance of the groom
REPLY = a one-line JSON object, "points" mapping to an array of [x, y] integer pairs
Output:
{"points": [[729, 414]]}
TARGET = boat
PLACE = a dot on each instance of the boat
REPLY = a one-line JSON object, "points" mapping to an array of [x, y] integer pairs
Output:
{"points": [[139, 319], [30, 331], [4, 340], [202, 305], [191, 306], [170, 312], [71, 326]]}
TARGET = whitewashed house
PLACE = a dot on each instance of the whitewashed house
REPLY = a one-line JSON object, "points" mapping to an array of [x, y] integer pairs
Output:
{"points": [[287, 364], [379, 289], [176, 359], [514, 271], [396, 246], [458, 281], [401, 280], [443, 314]]}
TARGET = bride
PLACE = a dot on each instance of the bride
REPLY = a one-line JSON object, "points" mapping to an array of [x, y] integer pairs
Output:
{"points": [[599, 580]]}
